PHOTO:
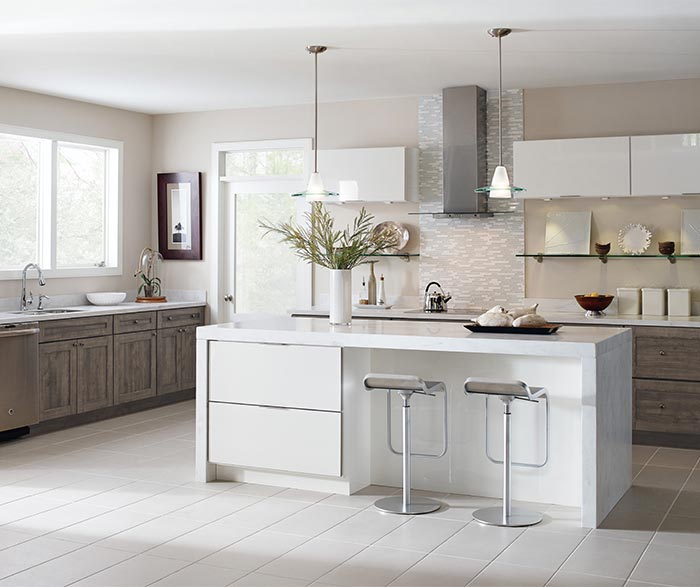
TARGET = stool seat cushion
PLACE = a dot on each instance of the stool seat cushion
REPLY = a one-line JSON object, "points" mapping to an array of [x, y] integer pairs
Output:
{"points": [[399, 382], [502, 387]]}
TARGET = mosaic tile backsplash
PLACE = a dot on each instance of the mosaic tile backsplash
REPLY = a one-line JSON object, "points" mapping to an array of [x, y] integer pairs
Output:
{"points": [[473, 258]]}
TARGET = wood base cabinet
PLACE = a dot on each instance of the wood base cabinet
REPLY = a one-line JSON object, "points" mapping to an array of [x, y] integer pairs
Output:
{"points": [[76, 376], [90, 363], [177, 350], [135, 357], [667, 386]]}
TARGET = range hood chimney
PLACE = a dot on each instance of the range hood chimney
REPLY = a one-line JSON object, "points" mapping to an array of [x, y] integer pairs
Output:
{"points": [[464, 151]]}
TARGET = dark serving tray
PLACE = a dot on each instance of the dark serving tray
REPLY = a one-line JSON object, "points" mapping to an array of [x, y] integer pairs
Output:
{"points": [[547, 329]]}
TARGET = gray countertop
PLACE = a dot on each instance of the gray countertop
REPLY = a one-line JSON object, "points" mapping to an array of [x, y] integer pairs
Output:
{"points": [[8, 317], [457, 315]]}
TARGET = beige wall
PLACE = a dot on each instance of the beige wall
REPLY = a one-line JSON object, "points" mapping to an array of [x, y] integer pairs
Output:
{"points": [[610, 110], [182, 142], [69, 116]]}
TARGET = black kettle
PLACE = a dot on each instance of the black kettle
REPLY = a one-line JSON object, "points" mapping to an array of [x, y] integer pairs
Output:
{"points": [[436, 300]]}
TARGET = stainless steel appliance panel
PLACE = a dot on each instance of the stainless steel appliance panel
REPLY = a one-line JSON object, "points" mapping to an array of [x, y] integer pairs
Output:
{"points": [[19, 375]]}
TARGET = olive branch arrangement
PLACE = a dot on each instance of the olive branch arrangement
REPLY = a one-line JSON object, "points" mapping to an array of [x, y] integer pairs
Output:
{"points": [[318, 241]]}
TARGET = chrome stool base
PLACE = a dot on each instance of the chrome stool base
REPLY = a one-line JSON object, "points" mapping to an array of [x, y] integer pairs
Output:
{"points": [[418, 505], [517, 519]]}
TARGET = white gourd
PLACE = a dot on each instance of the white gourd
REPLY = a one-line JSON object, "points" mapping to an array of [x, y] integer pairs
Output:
{"points": [[516, 313], [529, 320], [494, 319], [497, 310]]}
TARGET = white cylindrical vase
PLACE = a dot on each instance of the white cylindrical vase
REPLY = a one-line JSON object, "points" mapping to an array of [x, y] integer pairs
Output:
{"points": [[341, 296]]}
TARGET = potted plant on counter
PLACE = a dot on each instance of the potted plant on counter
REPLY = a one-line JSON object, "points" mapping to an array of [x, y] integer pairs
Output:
{"points": [[318, 241]]}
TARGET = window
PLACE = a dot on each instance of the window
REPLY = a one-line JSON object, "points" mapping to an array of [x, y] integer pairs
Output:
{"points": [[59, 204]]}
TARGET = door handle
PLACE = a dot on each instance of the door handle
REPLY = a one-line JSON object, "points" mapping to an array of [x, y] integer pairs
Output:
{"points": [[228, 298]]}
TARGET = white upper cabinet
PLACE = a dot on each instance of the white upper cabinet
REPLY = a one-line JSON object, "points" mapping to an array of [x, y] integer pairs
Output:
{"points": [[666, 165], [572, 167], [383, 174]]}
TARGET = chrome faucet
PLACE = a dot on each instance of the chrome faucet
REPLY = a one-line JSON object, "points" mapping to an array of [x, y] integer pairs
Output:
{"points": [[24, 302]]}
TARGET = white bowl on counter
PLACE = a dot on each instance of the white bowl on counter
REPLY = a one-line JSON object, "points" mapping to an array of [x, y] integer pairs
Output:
{"points": [[106, 298]]}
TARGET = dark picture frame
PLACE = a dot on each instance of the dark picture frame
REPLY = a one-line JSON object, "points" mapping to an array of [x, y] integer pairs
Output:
{"points": [[180, 215]]}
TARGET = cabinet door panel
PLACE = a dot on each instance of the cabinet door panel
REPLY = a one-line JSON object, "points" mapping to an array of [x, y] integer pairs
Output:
{"points": [[94, 373], [269, 374], [301, 441], [188, 357], [57, 364], [134, 366], [168, 363], [572, 167], [665, 165]]}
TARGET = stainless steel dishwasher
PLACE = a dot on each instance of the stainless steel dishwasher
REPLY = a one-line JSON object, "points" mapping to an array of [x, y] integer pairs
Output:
{"points": [[19, 378]]}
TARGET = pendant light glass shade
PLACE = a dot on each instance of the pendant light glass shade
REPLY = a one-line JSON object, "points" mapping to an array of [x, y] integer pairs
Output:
{"points": [[315, 191], [500, 186]]}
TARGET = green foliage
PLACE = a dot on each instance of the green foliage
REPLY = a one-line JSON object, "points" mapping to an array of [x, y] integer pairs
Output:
{"points": [[318, 241], [149, 283]]}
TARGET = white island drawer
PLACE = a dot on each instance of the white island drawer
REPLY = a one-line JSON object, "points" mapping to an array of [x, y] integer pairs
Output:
{"points": [[289, 376], [300, 441]]}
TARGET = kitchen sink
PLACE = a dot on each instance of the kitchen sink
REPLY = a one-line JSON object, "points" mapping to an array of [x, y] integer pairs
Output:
{"points": [[45, 312]]}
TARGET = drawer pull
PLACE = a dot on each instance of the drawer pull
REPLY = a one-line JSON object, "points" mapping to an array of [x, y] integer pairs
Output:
{"points": [[141, 321], [662, 406], [662, 353], [194, 315], [170, 317]]}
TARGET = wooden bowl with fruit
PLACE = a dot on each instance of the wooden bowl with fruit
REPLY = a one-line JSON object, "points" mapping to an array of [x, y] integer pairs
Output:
{"points": [[594, 303]]}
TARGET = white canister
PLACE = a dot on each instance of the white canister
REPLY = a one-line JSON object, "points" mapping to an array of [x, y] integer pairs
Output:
{"points": [[654, 301], [629, 300], [679, 302]]}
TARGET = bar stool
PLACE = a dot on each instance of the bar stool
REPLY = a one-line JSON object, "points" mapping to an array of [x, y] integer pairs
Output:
{"points": [[406, 386], [507, 391]]}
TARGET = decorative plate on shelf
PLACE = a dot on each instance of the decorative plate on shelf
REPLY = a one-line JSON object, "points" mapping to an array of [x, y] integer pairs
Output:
{"points": [[400, 232], [634, 239]]}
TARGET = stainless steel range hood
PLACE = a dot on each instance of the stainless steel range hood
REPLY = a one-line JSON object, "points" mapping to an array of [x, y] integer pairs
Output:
{"points": [[464, 151]]}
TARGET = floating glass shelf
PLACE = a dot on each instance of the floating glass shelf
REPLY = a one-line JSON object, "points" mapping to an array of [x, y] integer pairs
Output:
{"points": [[603, 258], [403, 256]]}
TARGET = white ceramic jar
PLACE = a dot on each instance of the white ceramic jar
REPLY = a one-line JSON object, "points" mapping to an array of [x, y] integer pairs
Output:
{"points": [[678, 302], [654, 301], [629, 300]]}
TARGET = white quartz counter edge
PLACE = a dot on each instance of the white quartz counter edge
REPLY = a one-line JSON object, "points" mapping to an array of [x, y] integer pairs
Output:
{"points": [[86, 311], [554, 317], [413, 335]]}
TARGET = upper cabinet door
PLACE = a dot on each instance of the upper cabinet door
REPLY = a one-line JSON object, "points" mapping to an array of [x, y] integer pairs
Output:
{"points": [[572, 167], [666, 165], [382, 174]]}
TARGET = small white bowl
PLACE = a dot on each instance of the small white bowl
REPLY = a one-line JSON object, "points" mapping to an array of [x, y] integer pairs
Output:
{"points": [[106, 298]]}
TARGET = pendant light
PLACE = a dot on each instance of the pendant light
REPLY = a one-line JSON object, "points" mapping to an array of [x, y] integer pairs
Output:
{"points": [[500, 183], [315, 192]]}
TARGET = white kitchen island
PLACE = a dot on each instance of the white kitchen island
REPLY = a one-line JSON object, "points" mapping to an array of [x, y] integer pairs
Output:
{"points": [[280, 402]]}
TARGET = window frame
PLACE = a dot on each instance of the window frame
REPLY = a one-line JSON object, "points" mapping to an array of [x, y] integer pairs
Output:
{"points": [[46, 225]]}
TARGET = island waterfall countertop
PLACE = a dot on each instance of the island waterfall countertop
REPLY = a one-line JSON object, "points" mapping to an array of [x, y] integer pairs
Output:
{"points": [[414, 336], [280, 401], [555, 317]]}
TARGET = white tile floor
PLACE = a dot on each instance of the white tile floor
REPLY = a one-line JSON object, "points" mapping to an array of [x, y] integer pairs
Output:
{"points": [[115, 503]]}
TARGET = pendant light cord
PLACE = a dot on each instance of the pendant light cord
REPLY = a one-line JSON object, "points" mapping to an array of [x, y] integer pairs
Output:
{"points": [[500, 104], [315, 112]]}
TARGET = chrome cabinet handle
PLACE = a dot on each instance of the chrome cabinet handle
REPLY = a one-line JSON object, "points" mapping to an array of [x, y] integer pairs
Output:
{"points": [[662, 353], [228, 298], [662, 406]]}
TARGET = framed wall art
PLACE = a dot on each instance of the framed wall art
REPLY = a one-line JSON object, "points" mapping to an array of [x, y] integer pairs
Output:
{"points": [[179, 215]]}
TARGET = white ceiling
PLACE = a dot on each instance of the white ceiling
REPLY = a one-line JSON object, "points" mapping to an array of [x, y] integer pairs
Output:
{"points": [[182, 55]]}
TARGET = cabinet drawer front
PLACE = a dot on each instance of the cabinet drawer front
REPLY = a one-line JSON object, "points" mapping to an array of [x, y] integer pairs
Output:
{"points": [[70, 328], [134, 322], [300, 441], [667, 353], [181, 317], [275, 375], [667, 406]]}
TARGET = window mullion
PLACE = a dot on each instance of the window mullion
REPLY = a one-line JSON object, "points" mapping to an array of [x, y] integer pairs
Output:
{"points": [[46, 207], [54, 189]]}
